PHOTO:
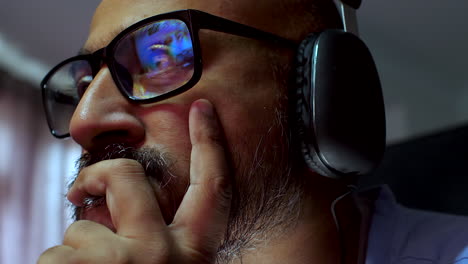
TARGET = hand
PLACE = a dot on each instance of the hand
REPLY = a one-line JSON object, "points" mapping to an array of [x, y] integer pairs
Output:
{"points": [[141, 234]]}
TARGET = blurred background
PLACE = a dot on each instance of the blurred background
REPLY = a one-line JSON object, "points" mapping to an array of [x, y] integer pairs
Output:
{"points": [[419, 48]]}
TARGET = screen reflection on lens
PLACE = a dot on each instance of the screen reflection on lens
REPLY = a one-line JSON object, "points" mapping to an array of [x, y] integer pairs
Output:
{"points": [[165, 54]]}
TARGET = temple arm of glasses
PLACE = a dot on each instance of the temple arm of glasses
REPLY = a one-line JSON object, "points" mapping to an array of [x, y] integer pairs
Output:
{"points": [[212, 22]]}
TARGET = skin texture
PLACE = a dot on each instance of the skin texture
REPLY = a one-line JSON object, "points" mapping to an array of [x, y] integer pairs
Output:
{"points": [[214, 132]]}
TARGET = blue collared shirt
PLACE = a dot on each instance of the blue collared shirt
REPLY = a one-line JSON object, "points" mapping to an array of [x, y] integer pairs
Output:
{"points": [[399, 235]]}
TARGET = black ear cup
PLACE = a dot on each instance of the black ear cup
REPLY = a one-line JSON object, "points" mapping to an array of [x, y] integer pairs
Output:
{"points": [[340, 115]]}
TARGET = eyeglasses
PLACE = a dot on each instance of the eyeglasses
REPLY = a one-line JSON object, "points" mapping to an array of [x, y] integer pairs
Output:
{"points": [[152, 60]]}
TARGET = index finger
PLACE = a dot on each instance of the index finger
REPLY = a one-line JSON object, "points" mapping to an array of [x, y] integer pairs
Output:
{"points": [[130, 197], [204, 211]]}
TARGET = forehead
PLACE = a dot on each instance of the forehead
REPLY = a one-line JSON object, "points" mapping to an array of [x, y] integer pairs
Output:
{"points": [[112, 16]]}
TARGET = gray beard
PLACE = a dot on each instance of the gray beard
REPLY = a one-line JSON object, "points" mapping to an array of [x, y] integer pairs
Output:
{"points": [[266, 197]]}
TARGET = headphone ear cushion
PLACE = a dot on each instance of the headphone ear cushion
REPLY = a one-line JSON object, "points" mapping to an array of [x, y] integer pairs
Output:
{"points": [[302, 106], [340, 116]]}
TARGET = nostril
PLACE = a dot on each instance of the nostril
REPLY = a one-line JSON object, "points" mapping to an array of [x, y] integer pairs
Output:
{"points": [[113, 133], [112, 137]]}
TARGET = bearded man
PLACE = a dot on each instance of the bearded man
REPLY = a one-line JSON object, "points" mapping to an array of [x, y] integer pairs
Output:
{"points": [[184, 116]]}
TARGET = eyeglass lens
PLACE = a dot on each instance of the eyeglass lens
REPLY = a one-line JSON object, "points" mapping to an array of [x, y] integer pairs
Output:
{"points": [[152, 60], [161, 60], [63, 92]]}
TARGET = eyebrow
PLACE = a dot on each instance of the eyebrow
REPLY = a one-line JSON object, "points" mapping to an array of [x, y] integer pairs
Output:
{"points": [[110, 35], [102, 41]]}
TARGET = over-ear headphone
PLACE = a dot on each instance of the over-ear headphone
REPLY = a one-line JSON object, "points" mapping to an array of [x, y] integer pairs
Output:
{"points": [[340, 115]]}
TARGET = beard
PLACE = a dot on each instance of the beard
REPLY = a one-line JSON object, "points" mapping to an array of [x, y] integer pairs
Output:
{"points": [[266, 199]]}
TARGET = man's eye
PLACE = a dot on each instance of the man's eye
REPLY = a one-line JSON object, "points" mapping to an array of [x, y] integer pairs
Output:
{"points": [[82, 84]]}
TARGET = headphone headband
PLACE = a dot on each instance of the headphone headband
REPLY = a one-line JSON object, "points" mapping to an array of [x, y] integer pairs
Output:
{"points": [[352, 3], [347, 10]]}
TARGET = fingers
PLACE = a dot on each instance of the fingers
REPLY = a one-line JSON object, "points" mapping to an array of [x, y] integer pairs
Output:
{"points": [[86, 242], [57, 254], [98, 253], [129, 196], [204, 211], [94, 243], [202, 217], [85, 233]]}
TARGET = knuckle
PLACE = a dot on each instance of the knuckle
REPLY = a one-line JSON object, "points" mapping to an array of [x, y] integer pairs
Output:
{"points": [[77, 228], [81, 175], [46, 254], [71, 230], [52, 254]]}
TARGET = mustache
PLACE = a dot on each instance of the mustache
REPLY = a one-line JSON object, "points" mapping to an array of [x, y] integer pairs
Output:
{"points": [[154, 162], [156, 165]]}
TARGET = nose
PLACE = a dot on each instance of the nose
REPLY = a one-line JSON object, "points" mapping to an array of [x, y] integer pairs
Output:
{"points": [[104, 116]]}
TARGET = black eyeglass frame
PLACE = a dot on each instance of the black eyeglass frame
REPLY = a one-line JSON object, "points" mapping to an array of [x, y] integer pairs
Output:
{"points": [[195, 20]]}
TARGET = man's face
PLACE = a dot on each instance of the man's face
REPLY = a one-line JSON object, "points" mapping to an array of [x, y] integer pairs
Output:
{"points": [[238, 78]]}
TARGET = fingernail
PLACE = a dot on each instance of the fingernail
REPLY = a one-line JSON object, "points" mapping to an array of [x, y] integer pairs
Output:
{"points": [[206, 108]]}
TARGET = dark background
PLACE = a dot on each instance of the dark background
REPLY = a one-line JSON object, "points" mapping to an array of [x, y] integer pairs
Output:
{"points": [[428, 172]]}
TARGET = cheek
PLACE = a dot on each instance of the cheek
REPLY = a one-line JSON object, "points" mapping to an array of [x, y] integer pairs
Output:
{"points": [[252, 129], [166, 128]]}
